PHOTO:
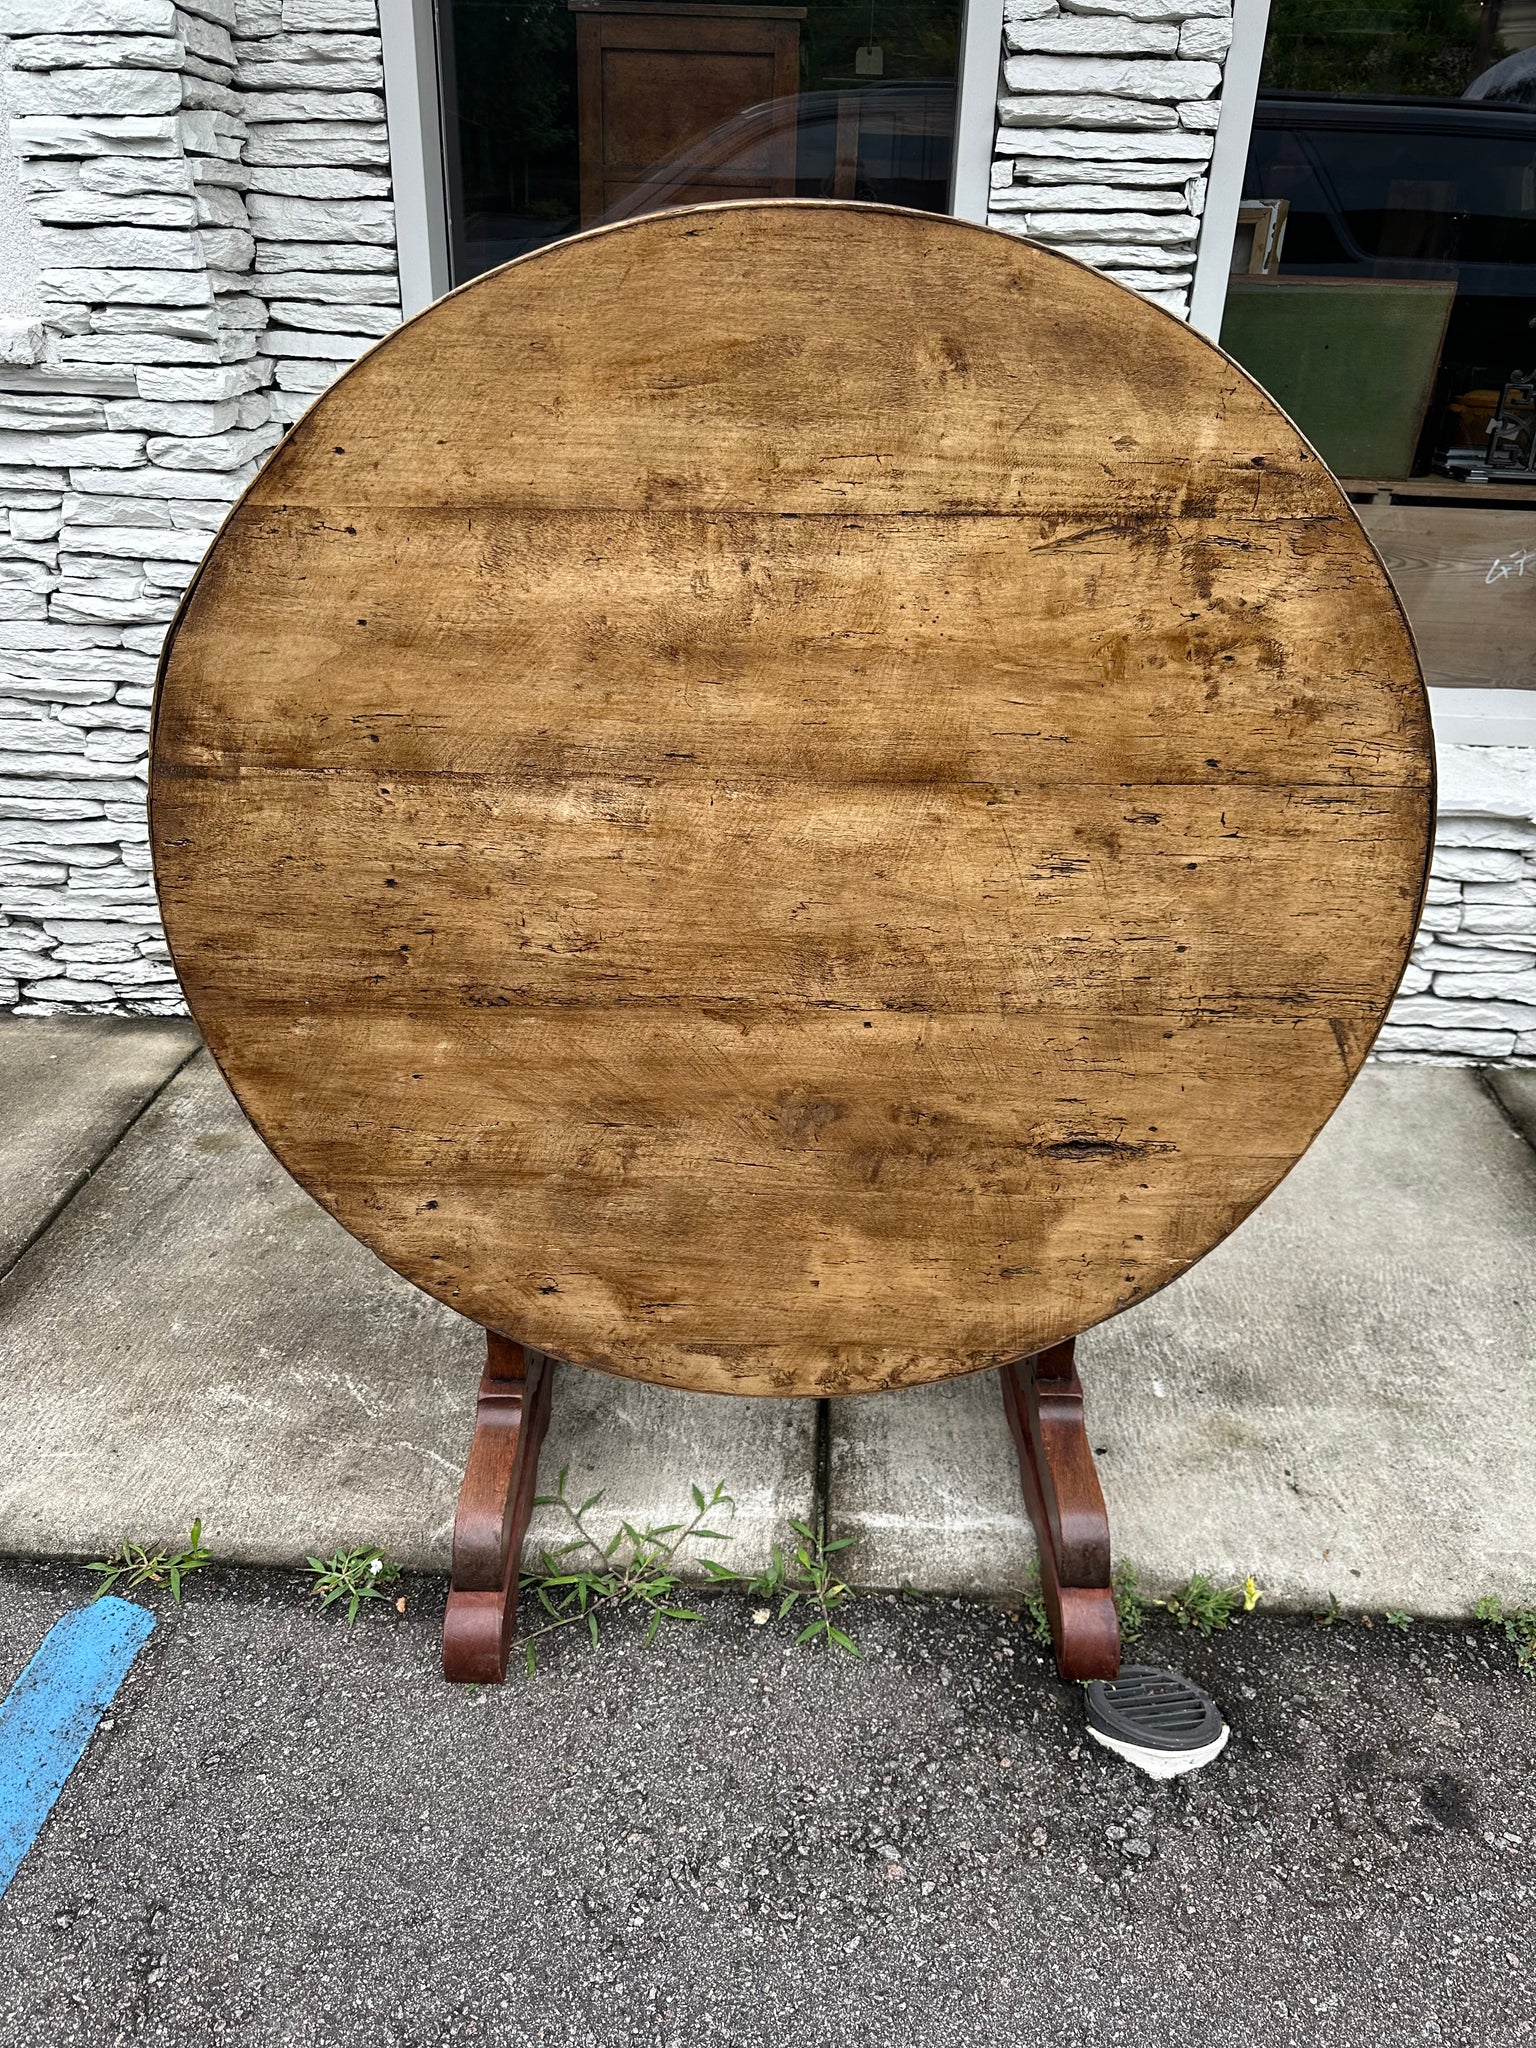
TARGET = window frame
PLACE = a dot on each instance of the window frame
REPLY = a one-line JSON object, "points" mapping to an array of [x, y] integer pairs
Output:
{"points": [[417, 99]]}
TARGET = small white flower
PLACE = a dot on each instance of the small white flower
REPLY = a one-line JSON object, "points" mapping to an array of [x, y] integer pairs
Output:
{"points": [[377, 1565]]}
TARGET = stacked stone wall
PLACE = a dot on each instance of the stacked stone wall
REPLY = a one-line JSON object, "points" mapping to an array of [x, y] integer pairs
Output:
{"points": [[206, 214], [317, 188], [1470, 994], [1106, 125]]}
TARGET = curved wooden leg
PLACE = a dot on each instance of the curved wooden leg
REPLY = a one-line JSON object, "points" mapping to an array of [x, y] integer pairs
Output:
{"points": [[511, 1416], [1043, 1397]]}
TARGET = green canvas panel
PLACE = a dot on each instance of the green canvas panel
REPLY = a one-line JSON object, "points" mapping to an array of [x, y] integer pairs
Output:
{"points": [[1352, 360]]}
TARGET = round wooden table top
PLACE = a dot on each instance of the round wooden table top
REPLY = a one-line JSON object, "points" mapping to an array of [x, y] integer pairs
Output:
{"points": [[791, 798]]}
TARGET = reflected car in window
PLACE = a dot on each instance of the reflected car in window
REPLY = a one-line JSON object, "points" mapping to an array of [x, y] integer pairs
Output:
{"points": [[1416, 188], [888, 145], [1402, 188]]}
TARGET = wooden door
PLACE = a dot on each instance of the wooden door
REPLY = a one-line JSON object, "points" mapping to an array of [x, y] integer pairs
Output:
{"points": [[653, 79]]}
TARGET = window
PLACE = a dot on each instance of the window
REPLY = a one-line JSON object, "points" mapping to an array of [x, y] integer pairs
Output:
{"points": [[1398, 144], [565, 114]]}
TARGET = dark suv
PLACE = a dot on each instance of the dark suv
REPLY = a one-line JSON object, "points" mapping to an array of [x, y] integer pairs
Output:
{"points": [[1386, 187]]}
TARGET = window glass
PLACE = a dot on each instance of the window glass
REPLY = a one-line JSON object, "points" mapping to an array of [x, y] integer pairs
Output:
{"points": [[563, 114], [1391, 185]]}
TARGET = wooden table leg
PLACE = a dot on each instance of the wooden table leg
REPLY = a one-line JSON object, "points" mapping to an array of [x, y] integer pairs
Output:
{"points": [[1043, 1397], [511, 1416]]}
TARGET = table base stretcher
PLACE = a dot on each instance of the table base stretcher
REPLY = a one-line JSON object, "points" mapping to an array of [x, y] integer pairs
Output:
{"points": [[1043, 1400]]}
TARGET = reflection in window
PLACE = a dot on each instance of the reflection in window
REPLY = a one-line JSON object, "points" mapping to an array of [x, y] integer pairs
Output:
{"points": [[1399, 141], [566, 113]]}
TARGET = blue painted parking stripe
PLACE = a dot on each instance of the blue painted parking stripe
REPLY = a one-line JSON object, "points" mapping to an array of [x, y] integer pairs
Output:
{"points": [[48, 1716]]}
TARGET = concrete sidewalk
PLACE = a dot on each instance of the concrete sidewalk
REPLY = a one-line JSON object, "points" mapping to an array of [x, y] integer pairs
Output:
{"points": [[71, 1088], [1341, 1399], [194, 1335]]}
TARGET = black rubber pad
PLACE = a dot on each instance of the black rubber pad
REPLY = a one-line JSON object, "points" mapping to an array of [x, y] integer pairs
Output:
{"points": [[1155, 1709]]}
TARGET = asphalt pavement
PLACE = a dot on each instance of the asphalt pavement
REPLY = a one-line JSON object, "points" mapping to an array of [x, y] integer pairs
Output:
{"points": [[291, 1832]]}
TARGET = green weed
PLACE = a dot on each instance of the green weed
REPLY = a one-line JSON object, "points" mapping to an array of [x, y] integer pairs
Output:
{"points": [[1131, 1604], [1197, 1605], [1396, 1618], [1034, 1618], [1205, 1607], [135, 1566], [353, 1576], [1517, 1625], [806, 1579], [584, 1580]]}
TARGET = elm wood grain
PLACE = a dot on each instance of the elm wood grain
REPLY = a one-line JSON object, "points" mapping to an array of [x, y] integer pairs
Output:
{"points": [[642, 647], [717, 912], [745, 817], [1043, 1400], [495, 1501]]}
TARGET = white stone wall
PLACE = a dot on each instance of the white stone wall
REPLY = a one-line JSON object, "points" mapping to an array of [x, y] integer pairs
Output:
{"points": [[1470, 994], [316, 163], [203, 240], [1106, 124]]}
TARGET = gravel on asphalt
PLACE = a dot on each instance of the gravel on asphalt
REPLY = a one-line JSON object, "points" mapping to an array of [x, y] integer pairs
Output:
{"points": [[289, 1832]]}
